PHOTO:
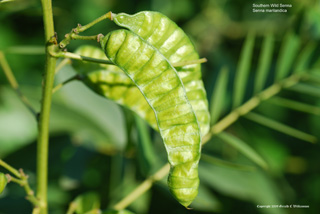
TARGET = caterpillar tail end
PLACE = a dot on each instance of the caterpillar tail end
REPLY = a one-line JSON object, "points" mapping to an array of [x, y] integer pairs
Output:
{"points": [[184, 184], [185, 198]]}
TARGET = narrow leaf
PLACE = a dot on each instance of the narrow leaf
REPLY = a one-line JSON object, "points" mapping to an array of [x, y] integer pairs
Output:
{"points": [[26, 50], [287, 55], [295, 105], [304, 58], [146, 154], [223, 163], [312, 77], [275, 125], [241, 77], [219, 94], [306, 89], [244, 148], [264, 63]]}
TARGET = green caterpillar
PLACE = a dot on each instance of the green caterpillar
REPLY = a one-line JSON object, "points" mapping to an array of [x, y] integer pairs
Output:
{"points": [[111, 82], [162, 87], [162, 33]]}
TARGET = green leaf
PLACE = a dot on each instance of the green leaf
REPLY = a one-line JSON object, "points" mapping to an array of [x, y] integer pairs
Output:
{"points": [[26, 50], [219, 94], [307, 89], [241, 77], [244, 148], [242, 185], [3, 182], [305, 58], [95, 122], [295, 105], [287, 55], [161, 86], [87, 202], [220, 162], [15, 118], [264, 63], [275, 125], [146, 154]]}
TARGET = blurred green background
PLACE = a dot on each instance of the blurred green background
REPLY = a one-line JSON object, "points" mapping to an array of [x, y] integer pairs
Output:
{"points": [[98, 146]]}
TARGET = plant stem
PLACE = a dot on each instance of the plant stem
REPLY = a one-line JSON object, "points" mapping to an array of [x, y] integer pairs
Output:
{"points": [[10, 169], [77, 37], [62, 64], [215, 129], [79, 29], [72, 208], [14, 84], [142, 188], [43, 137], [22, 180], [57, 87], [81, 58]]}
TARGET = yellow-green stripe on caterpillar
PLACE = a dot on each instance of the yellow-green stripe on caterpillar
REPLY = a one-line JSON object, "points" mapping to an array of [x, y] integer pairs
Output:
{"points": [[162, 87]]}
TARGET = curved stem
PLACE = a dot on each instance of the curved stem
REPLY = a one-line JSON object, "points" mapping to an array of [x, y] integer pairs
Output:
{"points": [[57, 87], [10, 169], [21, 179], [79, 29], [43, 137], [80, 58], [14, 84], [63, 63], [142, 188]]}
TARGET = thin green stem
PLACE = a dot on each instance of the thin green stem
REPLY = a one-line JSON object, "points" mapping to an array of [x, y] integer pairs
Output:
{"points": [[63, 63], [72, 208], [22, 180], [108, 15], [142, 188], [10, 169], [80, 58], [43, 137], [14, 84], [79, 29], [57, 87], [95, 211], [215, 129], [77, 37]]}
